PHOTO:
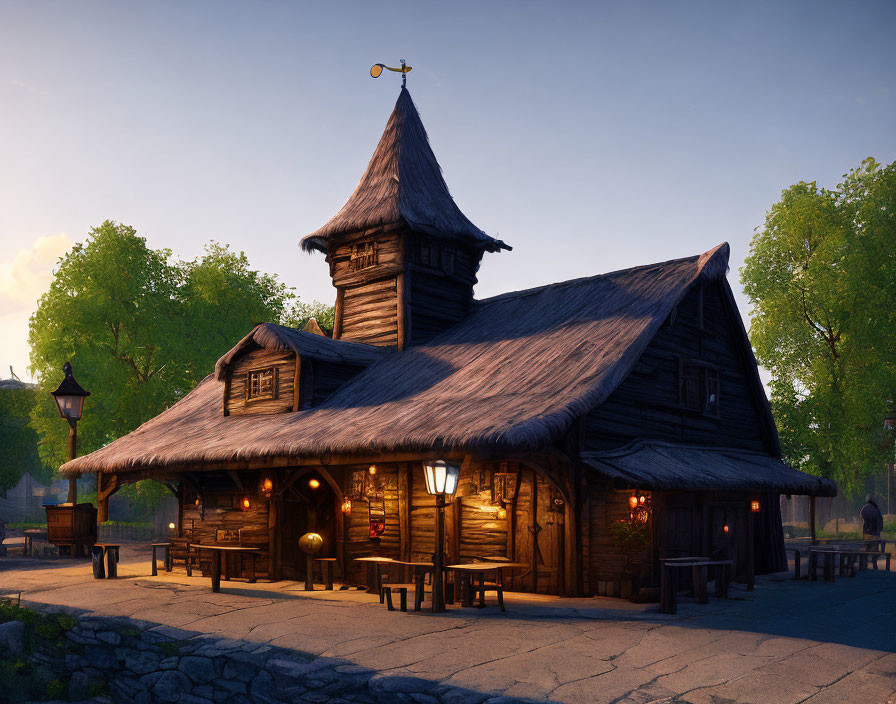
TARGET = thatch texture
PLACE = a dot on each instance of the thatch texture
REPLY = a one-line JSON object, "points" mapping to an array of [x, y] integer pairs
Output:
{"points": [[306, 344], [668, 467], [514, 374], [403, 183]]}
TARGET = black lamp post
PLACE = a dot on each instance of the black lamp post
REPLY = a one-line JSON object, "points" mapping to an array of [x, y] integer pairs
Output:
{"points": [[69, 397], [441, 482]]}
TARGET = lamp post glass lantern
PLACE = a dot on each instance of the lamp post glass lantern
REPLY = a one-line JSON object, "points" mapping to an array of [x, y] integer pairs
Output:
{"points": [[69, 397], [441, 482]]}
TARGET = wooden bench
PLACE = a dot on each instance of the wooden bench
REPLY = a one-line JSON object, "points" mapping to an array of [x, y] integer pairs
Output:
{"points": [[847, 556]]}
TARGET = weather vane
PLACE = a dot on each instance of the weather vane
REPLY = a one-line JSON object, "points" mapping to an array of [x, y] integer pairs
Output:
{"points": [[377, 70]]}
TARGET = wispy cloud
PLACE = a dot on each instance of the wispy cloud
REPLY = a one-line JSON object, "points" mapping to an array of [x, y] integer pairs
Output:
{"points": [[27, 87], [27, 276]]}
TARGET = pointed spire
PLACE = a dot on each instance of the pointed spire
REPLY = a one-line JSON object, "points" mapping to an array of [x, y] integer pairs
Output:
{"points": [[403, 182]]}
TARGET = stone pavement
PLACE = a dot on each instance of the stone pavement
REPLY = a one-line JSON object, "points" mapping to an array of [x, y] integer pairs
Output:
{"points": [[785, 642]]}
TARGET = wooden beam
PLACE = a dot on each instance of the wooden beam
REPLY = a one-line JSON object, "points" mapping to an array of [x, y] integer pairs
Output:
{"points": [[400, 310], [812, 519], [337, 318], [106, 485], [236, 479], [404, 512], [297, 385]]}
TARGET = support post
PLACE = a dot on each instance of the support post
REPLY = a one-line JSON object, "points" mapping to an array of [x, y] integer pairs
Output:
{"points": [[812, 520], [72, 453], [438, 576]]}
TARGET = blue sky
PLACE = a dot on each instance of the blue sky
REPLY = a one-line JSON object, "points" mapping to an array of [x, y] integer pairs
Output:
{"points": [[590, 136]]}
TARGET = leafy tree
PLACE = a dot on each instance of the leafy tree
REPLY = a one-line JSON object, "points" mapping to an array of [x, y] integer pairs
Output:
{"points": [[140, 330], [821, 275], [300, 313], [17, 438]]}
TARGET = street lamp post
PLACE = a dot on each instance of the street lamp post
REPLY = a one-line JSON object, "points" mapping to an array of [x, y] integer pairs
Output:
{"points": [[69, 397], [441, 482]]}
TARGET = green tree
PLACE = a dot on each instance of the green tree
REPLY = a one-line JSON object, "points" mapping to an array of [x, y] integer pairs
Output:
{"points": [[17, 438], [821, 275], [140, 330]]}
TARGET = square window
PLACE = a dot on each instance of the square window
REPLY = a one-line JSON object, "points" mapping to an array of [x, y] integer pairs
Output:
{"points": [[261, 383], [363, 256]]}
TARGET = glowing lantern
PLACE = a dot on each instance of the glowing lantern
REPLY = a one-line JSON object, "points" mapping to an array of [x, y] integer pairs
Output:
{"points": [[754, 506], [314, 483], [642, 500], [171, 526], [633, 501], [347, 507], [372, 469], [267, 487], [725, 529], [502, 512], [245, 503]]}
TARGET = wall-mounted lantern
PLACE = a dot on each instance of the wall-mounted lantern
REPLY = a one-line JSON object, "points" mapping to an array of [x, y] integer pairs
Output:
{"points": [[314, 483], [754, 506], [267, 487], [245, 504], [347, 507]]}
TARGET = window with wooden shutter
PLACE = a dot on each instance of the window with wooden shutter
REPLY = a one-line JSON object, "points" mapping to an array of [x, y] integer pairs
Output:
{"points": [[363, 256], [698, 384], [261, 384]]}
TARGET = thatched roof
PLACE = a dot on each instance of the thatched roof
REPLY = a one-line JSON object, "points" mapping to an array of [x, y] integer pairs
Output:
{"points": [[403, 183], [667, 466], [306, 344], [513, 375]]}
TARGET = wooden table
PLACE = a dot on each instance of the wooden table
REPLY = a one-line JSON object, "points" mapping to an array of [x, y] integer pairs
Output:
{"points": [[30, 535], [698, 567], [374, 573], [469, 572], [420, 570], [166, 552], [220, 553], [110, 552]]}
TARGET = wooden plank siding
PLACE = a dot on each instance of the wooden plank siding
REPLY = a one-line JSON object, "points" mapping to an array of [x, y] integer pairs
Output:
{"points": [[358, 542], [284, 365], [647, 404], [370, 313]]}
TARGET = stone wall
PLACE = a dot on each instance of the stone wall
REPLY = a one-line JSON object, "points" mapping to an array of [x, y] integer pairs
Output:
{"points": [[145, 663]]}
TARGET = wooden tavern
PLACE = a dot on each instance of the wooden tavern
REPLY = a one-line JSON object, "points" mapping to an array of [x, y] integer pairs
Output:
{"points": [[560, 403]]}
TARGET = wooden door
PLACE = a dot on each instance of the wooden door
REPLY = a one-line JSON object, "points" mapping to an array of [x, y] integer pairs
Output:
{"points": [[548, 537]]}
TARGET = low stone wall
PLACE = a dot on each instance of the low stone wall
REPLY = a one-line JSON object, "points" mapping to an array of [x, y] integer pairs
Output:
{"points": [[145, 663]]}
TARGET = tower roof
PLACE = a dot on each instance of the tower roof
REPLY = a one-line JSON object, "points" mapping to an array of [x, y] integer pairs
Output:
{"points": [[403, 182]]}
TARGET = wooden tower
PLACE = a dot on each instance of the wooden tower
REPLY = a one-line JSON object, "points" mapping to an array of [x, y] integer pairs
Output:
{"points": [[402, 256]]}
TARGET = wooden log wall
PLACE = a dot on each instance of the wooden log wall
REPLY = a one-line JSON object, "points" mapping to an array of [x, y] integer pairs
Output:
{"points": [[358, 542], [647, 403], [606, 563], [235, 387], [222, 510], [370, 313]]}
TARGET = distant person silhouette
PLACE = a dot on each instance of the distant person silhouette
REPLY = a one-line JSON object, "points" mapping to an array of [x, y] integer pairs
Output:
{"points": [[872, 523]]}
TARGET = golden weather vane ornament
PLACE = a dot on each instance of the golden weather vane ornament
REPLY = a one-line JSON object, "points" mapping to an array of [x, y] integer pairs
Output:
{"points": [[377, 70]]}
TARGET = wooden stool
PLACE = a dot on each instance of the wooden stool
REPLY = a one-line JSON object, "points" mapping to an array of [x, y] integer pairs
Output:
{"points": [[166, 556], [110, 551], [402, 590], [329, 561]]}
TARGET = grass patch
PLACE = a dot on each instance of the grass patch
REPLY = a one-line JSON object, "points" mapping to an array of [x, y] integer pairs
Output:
{"points": [[25, 525]]}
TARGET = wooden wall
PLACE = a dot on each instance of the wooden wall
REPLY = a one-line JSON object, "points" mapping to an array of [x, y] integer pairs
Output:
{"points": [[369, 313], [284, 364], [358, 542], [221, 511], [419, 286], [605, 563], [647, 404]]}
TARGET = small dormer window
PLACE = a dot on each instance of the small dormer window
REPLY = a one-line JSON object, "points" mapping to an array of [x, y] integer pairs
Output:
{"points": [[363, 256], [261, 384]]}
